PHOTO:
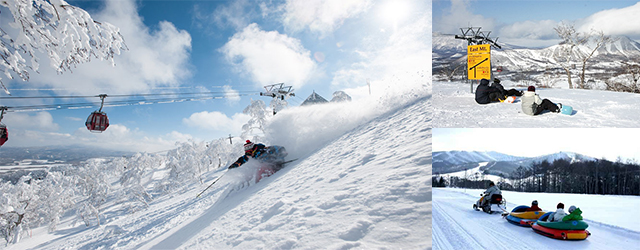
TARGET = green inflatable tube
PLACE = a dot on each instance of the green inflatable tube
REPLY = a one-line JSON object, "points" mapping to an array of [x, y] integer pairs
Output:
{"points": [[565, 225]]}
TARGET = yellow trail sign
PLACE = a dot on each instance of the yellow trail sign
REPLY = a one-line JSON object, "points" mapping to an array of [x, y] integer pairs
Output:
{"points": [[479, 61]]}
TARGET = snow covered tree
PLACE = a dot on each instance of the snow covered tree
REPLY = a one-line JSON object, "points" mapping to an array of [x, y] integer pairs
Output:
{"points": [[571, 39], [65, 33], [133, 190], [93, 188], [254, 128], [277, 105]]}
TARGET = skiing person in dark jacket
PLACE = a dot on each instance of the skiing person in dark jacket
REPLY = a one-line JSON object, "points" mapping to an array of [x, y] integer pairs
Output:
{"points": [[495, 93], [532, 104], [250, 150]]}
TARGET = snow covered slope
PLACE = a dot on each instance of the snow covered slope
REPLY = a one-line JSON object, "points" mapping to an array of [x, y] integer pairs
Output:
{"points": [[457, 226], [455, 107], [368, 188]]}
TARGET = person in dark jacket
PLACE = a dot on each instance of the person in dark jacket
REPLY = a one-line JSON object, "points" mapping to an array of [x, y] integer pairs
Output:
{"points": [[495, 93], [534, 206], [250, 150]]}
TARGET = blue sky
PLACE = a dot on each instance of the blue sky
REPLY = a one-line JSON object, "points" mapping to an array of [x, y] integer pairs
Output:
{"points": [[530, 23], [231, 46], [609, 143]]}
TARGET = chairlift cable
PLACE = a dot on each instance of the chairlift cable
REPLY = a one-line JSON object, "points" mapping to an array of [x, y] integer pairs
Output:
{"points": [[114, 103]]}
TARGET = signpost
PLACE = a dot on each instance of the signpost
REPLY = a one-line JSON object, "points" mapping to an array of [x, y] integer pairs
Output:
{"points": [[478, 53], [479, 62]]}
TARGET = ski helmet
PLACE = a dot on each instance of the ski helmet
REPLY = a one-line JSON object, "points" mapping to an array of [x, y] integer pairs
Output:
{"points": [[248, 145], [571, 208], [531, 88], [534, 203]]}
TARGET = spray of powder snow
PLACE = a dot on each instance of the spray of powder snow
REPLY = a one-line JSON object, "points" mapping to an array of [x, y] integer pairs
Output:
{"points": [[305, 129]]}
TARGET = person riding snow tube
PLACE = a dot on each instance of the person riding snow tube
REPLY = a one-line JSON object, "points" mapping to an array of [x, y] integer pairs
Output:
{"points": [[563, 230], [521, 217]]}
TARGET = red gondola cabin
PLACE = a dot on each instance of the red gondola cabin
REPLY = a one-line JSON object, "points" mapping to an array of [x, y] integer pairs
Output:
{"points": [[97, 122], [4, 134]]}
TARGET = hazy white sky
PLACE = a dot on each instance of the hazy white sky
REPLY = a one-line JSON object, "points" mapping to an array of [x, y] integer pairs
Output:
{"points": [[606, 143]]}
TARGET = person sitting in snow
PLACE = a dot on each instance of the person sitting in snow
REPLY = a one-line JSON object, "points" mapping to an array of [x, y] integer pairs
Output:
{"points": [[495, 93], [533, 105], [574, 214], [534, 206], [558, 215], [250, 150], [493, 189]]}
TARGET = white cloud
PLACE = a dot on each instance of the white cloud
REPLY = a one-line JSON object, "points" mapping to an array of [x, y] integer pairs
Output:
{"points": [[237, 15], [322, 16], [542, 29], [232, 96], [155, 58], [623, 21], [403, 61], [217, 121], [269, 57], [459, 16], [39, 121], [116, 137]]}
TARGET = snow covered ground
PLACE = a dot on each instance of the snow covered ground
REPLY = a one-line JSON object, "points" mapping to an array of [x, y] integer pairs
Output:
{"points": [[455, 107], [366, 184], [457, 226]]}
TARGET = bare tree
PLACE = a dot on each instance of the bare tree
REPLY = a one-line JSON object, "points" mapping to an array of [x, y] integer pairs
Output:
{"points": [[571, 39], [451, 70], [65, 33], [626, 78]]}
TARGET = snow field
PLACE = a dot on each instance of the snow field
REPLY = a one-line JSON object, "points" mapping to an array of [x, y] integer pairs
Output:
{"points": [[362, 181], [455, 107], [373, 195], [457, 226]]}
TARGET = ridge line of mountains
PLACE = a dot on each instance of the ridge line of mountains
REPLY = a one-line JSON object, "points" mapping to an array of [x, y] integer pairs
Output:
{"points": [[445, 162]]}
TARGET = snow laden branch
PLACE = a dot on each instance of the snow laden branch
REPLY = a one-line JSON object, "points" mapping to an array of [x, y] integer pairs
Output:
{"points": [[254, 128], [65, 33], [585, 43]]}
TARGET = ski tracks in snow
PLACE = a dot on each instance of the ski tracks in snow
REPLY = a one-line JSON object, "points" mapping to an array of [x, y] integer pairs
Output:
{"points": [[457, 226]]}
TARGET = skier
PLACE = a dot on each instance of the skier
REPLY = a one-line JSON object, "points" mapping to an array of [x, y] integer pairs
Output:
{"points": [[534, 206], [558, 215], [533, 105], [495, 93], [250, 149], [574, 214]]}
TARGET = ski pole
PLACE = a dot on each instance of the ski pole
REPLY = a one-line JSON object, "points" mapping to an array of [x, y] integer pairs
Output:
{"points": [[214, 182]]}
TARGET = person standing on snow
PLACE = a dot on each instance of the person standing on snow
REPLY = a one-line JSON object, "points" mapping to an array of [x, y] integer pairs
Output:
{"points": [[250, 150], [558, 215], [495, 93], [533, 105]]}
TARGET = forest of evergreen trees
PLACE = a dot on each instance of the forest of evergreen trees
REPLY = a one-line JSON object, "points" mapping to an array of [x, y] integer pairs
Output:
{"points": [[562, 176]]}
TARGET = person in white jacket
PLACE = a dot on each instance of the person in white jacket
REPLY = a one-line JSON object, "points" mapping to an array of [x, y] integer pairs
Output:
{"points": [[558, 214], [533, 105]]}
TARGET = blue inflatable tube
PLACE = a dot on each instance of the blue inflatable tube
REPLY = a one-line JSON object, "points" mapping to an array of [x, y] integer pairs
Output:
{"points": [[519, 221]]}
